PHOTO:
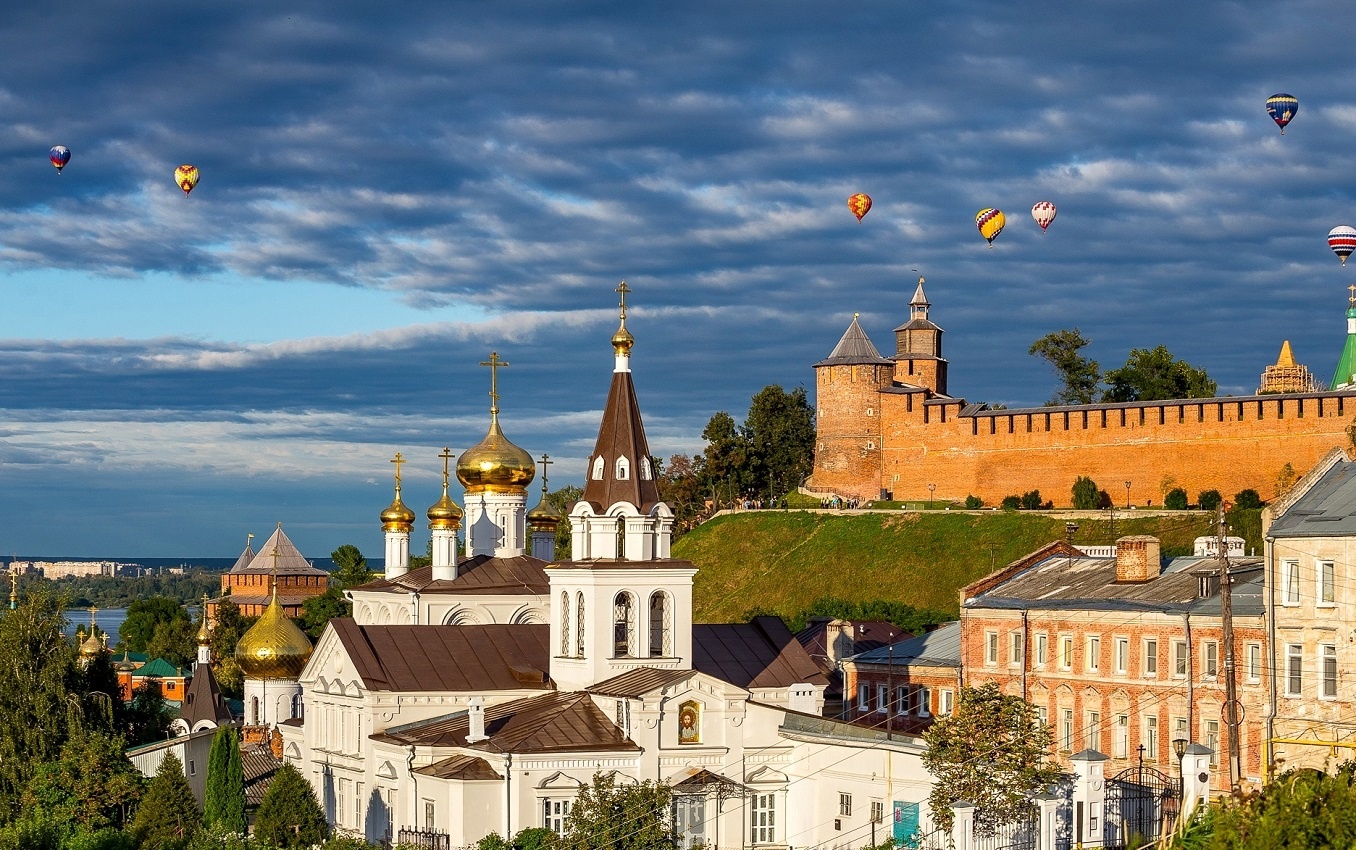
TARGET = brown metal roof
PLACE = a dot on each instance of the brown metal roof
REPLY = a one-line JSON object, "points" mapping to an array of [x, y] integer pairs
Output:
{"points": [[638, 682], [203, 700], [460, 767], [759, 654], [481, 574], [622, 434], [556, 722], [466, 659], [865, 635]]}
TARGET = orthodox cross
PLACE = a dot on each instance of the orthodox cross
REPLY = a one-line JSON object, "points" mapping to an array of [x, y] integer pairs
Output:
{"points": [[446, 456], [494, 363], [1352, 289], [545, 462], [397, 460], [623, 289]]}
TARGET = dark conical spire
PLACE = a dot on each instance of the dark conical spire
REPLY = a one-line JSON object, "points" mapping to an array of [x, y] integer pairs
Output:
{"points": [[854, 348]]}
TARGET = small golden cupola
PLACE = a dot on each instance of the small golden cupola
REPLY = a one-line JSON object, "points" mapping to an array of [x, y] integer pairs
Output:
{"points": [[91, 646], [495, 465], [544, 517], [274, 647], [397, 516], [444, 513]]}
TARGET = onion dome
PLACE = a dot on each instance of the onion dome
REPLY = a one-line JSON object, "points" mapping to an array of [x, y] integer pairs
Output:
{"points": [[495, 465], [544, 517], [91, 647], [397, 517], [125, 664], [204, 634], [274, 647], [444, 513], [622, 341]]}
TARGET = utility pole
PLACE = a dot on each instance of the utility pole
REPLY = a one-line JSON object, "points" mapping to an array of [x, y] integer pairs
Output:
{"points": [[1226, 613]]}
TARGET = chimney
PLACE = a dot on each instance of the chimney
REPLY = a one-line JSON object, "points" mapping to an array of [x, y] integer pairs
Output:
{"points": [[839, 640], [477, 712], [1137, 559]]}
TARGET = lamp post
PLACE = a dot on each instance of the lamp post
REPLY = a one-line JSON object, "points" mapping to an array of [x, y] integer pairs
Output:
{"points": [[1127, 495], [1070, 529], [1179, 746], [931, 488]]}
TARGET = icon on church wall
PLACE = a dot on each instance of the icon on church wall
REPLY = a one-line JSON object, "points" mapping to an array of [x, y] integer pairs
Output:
{"points": [[690, 722]]}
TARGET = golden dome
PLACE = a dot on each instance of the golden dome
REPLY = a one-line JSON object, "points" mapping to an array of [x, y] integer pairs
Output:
{"points": [[397, 517], [204, 634], [91, 647], [273, 648], [444, 513], [622, 341], [495, 465], [544, 516]]}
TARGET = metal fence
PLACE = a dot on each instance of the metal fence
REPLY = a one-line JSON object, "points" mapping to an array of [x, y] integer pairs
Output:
{"points": [[424, 839]]}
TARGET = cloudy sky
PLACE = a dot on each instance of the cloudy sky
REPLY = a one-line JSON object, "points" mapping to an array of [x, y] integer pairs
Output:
{"points": [[390, 193]]}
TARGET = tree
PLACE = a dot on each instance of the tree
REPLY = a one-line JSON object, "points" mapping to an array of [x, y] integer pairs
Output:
{"points": [[168, 815], [1285, 478], [680, 487], [1031, 500], [990, 751], [144, 615], [148, 713], [1153, 375], [726, 468], [780, 430], [350, 567], [1209, 500], [906, 617], [227, 627], [290, 815], [175, 640], [1301, 808], [973, 503], [1247, 499], [563, 500], [91, 787], [1086, 495], [1176, 500], [1011, 503], [319, 610], [619, 817], [1078, 375], [224, 798]]}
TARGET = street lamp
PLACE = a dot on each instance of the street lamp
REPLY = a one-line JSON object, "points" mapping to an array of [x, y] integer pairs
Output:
{"points": [[1179, 746], [1127, 495], [1070, 529], [931, 487]]}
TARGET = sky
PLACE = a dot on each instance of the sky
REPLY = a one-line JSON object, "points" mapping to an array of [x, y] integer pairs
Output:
{"points": [[388, 194]]}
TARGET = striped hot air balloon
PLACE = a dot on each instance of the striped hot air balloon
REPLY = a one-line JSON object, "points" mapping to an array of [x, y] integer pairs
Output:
{"points": [[1282, 109], [990, 223], [860, 204], [1044, 213], [187, 177], [1342, 241]]}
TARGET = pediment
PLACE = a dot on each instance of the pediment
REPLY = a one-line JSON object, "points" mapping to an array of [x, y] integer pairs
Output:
{"points": [[560, 779], [386, 771], [766, 775]]}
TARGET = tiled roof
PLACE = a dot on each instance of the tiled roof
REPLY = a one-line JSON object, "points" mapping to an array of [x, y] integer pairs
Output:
{"points": [[289, 560], [760, 654], [244, 560], [159, 668], [463, 659], [865, 634], [937, 648], [460, 767], [621, 435], [259, 765], [638, 682], [556, 722], [482, 574], [854, 348]]}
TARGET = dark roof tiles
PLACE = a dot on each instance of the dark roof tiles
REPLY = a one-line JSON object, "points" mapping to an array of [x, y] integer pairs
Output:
{"points": [[483, 574], [464, 659], [854, 348]]}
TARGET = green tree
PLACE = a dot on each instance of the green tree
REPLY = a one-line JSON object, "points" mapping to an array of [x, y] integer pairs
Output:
{"points": [[144, 616], [780, 431], [1176, 500], [1011, 503], [1078, 375], [1032, 501], [176, 641], [168, 815], [727, 470], [1153, 375], [609, 816], [1086, 495], [990, 751], [227, 627], [91, 787], [973, 503], [350, 567], [680, 487], [563, 500], [1299, 809], [290, 815], [319, 610], [1247, 499], [1209, 500], [906, 617], [224, 798], [148, 713]]}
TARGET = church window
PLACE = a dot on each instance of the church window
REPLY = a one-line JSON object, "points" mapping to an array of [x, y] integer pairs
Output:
{"points": [[645, 469], [296, 706], [564, 624], [623, 469], [621, 537], [763, 819], [428, 814], [598, 469], [579, 625], [553, 814], [623, 625], [661, 625], [254, 710]]}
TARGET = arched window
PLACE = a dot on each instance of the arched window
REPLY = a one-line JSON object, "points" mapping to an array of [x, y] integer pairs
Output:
{"points": [[598, 469], [645, 469], [579, 625], [254, 711], [623, 625], [564, 624], [661, 626], [623, 469], [621, 537], [296, 705]]}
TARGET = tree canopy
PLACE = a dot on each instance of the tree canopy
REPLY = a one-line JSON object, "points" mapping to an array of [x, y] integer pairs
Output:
{"points": [[1155, 374], [1078, 375], [144, 617], [224, 798], [290, 815], [168, 815], [610, 816]]}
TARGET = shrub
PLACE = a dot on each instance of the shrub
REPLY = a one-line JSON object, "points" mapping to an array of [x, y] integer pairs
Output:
{"points": [[1247, 499], [1209, 500], [1031, 500], [1085, 494], [973, 503], [1176, 500], [1011, 503]]}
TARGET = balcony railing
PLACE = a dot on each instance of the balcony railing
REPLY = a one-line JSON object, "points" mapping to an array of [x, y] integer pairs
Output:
{"points": [[424, 839]]}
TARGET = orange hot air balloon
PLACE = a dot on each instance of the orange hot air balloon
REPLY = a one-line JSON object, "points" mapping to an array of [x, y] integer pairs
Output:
{"points": [[860, 204], [187, 177]]}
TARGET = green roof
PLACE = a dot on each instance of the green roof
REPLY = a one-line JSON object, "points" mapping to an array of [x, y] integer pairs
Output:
{"points": [[159, 668], [1346, 364]]}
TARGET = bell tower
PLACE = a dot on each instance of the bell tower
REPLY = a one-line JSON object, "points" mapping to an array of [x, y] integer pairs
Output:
{"points": [[918, 348]]}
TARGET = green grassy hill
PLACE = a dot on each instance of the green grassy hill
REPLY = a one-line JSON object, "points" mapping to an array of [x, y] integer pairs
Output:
{"points": [[781, 561]]}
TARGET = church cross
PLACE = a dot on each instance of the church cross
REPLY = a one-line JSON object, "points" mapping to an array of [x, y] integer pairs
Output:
{"points": [[397, 460], [1352, 289], [446, 456], [545, 462], [623, 289], [494, 363]]}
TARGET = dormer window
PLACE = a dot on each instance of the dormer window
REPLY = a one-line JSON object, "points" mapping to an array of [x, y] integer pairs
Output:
{"points": [[598, 469], [645, 469], [623, 469]]}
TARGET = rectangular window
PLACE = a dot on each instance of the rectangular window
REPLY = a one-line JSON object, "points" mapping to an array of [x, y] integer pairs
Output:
{"points": [[863, 697], [1290, 583], [1253, 671], [1066, 652], [1179, 729], [1042, 649], [553, 814], [991, 648], [1151, 658], [1122, 655], [845, 805], [882, 698], [1094, 657], [901, 700], [1015, 648], [1328, 657], [924, 702], [1212, 741], [1294, 669], [1092, 736], [877, 811], [1179, 658], [429, 822], [358, 805], [1120, 747], [945, 701], [1043, 716], [763, 819], [341, 794], [1210, 658], [1066, 729], [1151, 738], [1327, 593]]}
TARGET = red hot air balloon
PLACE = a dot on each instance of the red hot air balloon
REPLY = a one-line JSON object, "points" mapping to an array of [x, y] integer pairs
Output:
{"points": [[1342, 241], [860, 204]]}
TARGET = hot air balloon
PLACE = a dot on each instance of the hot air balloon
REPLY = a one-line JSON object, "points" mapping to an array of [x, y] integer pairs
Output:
{"points": [[187, 177], [59, 155], [860, 204], [1342, 241], [1282, 109], [990, 223], [1044, 213]]}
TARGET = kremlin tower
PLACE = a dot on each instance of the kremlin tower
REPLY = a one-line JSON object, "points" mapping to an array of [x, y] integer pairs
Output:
{"points": [[272, 654]]}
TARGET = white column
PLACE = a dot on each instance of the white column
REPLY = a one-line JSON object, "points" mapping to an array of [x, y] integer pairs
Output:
{"points": [[444, 554], [1195, 779], [1088, 797], [962, 825], [397, 553]]}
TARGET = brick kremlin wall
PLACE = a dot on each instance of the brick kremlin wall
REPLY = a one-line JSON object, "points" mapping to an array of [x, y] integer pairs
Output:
{"points": [[875, 434]]}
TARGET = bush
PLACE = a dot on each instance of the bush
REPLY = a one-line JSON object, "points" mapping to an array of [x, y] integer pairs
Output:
{"points": [[1209, 500], [1031, 500], [1011, 503], [1176, 500], [1086, 496], [973, 503], [1247, 499]]}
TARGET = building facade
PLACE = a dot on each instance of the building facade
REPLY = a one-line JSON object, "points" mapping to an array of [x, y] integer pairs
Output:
{"points": [[250, 582]]}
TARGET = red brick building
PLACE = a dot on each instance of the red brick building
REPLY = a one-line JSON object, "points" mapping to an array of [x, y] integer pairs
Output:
{"points": [[904, 686], [249, 583]]}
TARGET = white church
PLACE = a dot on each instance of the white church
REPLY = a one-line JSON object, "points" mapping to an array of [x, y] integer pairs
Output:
{"points": [[481, 693]]}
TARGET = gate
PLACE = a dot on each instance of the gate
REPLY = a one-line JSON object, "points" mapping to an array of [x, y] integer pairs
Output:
{"points": [[1021, 834], [1141, 805]]}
